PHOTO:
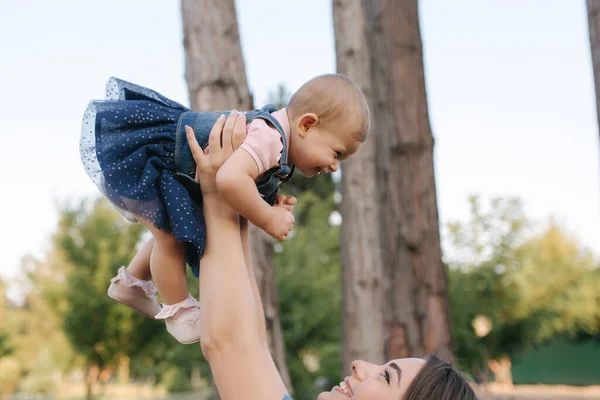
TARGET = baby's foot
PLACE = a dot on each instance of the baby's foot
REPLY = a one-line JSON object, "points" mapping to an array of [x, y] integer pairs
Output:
{"points": [[135, 293], [183, 320]]}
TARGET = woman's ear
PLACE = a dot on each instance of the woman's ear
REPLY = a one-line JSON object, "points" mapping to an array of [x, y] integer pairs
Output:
{"points": [[305, 122]]}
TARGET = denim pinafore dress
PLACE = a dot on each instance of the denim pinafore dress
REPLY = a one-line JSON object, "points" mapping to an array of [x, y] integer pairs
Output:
{"points": [[133, 147]]}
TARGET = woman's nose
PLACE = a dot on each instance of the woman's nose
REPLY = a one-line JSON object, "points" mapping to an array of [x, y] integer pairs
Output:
{"points": [[360, 369]]}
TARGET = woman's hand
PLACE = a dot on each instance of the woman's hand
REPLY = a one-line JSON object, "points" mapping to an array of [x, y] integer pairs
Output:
{"points": [[227, 134]]}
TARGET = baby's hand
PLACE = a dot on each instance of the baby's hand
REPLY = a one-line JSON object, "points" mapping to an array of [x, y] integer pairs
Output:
{"points": [[280, 223], [287, 202]]}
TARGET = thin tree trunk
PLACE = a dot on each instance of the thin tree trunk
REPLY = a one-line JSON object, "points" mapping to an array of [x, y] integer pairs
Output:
{"points": [[91, 380], [216, 79], [362, 274], [593, 8], [262, 255], [418, 320]]}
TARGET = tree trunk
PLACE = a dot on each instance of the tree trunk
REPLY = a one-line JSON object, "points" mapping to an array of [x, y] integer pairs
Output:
{"points": [[262, 255], [214, 65], [419, 320], [91, 380], [593, 8], [362, 273], [124, 369], [216, 79], [502, 370], [393, 273]]}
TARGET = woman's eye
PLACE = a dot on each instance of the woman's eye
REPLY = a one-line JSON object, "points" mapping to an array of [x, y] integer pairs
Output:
{"points": [[386, 376]]}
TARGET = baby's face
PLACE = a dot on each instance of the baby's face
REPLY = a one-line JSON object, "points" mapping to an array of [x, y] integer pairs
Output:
{"points": [[321, 150]]}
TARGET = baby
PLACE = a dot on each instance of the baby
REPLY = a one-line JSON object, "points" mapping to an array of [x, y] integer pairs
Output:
{"points": [[134, 148]]}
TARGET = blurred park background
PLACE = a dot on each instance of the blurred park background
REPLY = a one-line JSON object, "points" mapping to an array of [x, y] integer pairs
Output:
{"points": [[485, 245]]}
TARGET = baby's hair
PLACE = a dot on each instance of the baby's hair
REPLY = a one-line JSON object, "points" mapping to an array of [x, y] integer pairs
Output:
{"points": [[333, 98]]}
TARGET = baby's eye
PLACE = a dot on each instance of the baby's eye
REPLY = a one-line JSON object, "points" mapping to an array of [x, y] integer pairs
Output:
{"points": [[338, 154]]}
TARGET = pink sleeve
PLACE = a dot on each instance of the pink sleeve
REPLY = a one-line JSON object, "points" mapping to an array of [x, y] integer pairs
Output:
{"points": [[263, 143]]}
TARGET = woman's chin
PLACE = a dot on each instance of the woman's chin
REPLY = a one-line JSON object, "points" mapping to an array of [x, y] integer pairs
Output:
{"points": [[331, 395], [324, 396]]}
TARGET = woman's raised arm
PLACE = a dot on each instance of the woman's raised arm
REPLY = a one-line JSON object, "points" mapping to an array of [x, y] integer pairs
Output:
{"points": [[232, 334]]}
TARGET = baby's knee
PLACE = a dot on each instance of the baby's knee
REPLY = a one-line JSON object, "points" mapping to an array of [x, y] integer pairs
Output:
{"points": [[166, 239]]}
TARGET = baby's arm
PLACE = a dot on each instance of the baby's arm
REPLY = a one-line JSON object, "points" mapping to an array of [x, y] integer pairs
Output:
{"points": [[236, 184]]}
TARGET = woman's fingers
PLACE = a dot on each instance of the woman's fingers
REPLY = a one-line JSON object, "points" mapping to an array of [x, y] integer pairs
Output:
{"points": [[228, 129], [239, 132], [214, 139], [194, 146]]}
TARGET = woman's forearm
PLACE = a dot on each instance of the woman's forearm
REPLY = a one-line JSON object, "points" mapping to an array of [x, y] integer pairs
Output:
{"points": [[260, 315], [226, 295]]}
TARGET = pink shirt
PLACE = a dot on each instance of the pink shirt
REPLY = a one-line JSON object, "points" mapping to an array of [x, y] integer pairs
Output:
{"points": [[263, 142]]}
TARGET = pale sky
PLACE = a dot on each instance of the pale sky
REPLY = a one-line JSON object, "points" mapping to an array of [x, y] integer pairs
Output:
{"points": [[510, 91]]}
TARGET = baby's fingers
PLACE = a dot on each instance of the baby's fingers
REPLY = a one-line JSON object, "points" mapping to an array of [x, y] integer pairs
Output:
{"points": [[291, 200]]}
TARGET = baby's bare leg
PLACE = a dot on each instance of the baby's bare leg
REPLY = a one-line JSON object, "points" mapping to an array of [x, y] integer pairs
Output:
{"points": [[139, 266], [167, 265]]}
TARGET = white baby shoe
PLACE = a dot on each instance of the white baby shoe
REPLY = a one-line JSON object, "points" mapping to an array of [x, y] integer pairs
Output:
{"points": [[134, 293], [183, 320]]}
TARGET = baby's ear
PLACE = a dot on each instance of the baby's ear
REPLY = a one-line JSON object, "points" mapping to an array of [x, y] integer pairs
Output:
{"points": [[307, 121]]}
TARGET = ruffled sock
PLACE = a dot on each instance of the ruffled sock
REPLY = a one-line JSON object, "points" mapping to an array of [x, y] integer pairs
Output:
{"points": [[184, 310], [131, 281]]}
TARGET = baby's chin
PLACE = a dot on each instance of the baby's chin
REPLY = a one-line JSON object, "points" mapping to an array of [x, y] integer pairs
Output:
{"points": [[308, 174]]}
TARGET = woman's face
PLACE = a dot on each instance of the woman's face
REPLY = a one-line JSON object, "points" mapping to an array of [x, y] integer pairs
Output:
{"points": [[369, 381]]}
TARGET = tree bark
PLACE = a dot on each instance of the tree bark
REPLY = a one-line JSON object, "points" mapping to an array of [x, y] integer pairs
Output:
{"points": [[214, 65], [362, 273], [393, 273], [216, 78], [419, 320], [262, 256], [593, 8]]}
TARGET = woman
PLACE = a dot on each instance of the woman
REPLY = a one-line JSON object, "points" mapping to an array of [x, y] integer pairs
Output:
{"points": [[234, 337]]}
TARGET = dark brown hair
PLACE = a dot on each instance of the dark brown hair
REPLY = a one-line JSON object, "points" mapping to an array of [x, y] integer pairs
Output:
{"points": [[439, 380]]}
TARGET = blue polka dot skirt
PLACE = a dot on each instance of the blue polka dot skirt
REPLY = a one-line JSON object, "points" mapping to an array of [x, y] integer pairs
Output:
{"points": [[127, 148]]}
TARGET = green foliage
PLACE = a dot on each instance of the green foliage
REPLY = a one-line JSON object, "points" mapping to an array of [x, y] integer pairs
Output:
{"points": [[5, 346], [31, 329], [169, 362], [529, 290], [96, 241], [560, 285], [176, 381], [308, 274]]}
